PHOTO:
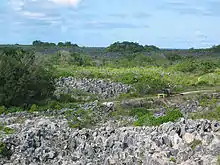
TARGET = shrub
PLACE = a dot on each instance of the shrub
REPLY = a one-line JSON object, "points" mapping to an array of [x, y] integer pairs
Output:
{"points": [[54, 105], [149, 120], [125, 47], [210, 115], [81, 118], [2, 110], [22, 79], [172, 159], [8, 130], [195, 143], [174, 57], [14, 109], [187, 66], [33, 108], [139, 112], [218, 160], [4, 151], [80, 59]]}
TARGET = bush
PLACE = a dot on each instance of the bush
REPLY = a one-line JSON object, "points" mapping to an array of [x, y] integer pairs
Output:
{"points": [[174, 57], [149, 120], [195, 143], [139, 112], [125, 47], [172, 159], [210, 115], [2, 110], [55, 105], [81, 118], [33, 108], [14, 109], [8, 130], [4, 151], [22, 80], [218, 160]]}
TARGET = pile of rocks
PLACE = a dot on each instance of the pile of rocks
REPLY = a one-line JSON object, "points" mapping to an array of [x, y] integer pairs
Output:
{"points": [[103, 88], [50, 141]]}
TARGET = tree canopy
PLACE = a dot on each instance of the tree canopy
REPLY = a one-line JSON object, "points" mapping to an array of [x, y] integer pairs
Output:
{"points": [[48, 44], [22, 79], [131, 47]]}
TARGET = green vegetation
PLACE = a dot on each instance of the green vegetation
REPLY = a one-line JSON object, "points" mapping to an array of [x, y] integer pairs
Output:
{"points": [[27, 76], [172, 159], [146, 80], [149, 120], [218, 160], [130, 47], [81, 118], [195, 143], [47, 44], [206, 101], [23, 81], [6, 129], [210, 115], [2, 109], [4, 151]]}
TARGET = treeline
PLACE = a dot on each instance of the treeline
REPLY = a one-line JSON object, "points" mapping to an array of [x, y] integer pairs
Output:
{"points": [[51, 44], [216, 48], [130, 47]]}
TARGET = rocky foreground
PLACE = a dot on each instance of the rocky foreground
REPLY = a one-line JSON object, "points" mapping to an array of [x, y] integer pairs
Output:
{"points": [[41, 140], [50, 141]]}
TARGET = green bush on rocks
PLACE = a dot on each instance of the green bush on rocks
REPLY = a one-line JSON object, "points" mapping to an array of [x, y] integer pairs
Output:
{"points": [[150, 120]]}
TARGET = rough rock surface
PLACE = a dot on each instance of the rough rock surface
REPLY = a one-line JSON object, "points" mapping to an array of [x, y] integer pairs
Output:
{"points": [[103, 88], [49, 141]]}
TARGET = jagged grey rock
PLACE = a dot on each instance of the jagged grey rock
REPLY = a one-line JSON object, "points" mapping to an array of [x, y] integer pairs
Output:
{"points": [[49, 141], [102, 88]]}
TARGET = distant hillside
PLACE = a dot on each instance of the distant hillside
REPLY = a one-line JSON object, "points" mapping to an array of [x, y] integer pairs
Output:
{"points": [[116, 49]]}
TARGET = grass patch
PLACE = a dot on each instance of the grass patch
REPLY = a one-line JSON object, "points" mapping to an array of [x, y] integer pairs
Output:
{"points": [[6, 130], [81, 118], [210, 115], [172, 159], [139, 112], [205, 101], [149, 120], [218, 160], [119, 112], [146, 79], [2, 110], [195, 143]]}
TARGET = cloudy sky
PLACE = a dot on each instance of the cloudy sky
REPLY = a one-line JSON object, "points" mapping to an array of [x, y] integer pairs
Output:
{"points": [[165, 23]]}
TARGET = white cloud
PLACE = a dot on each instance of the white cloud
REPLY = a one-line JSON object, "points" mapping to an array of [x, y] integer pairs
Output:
{"points": [[16, 5], [67, 2], [33, 14]]}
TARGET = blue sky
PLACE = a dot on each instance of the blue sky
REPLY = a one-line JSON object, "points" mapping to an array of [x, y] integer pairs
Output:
{"points": [[164, 23]]}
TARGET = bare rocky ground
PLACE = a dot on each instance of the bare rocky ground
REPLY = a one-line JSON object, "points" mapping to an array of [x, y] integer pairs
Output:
{"points": [[50, 141], [46, 138]]}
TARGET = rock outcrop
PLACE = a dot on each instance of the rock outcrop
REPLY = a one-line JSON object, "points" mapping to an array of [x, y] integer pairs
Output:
{"points": [[103, 88], [49, 141]]}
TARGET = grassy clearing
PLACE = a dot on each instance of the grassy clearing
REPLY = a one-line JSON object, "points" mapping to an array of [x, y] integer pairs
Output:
{"points": [[210, 115], [149, 120], [146, 80], [146, 73]]}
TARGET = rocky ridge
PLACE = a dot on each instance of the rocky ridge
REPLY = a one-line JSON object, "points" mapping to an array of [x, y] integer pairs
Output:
{"points": [[103, 88], [45, 141], [41, 140]]}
